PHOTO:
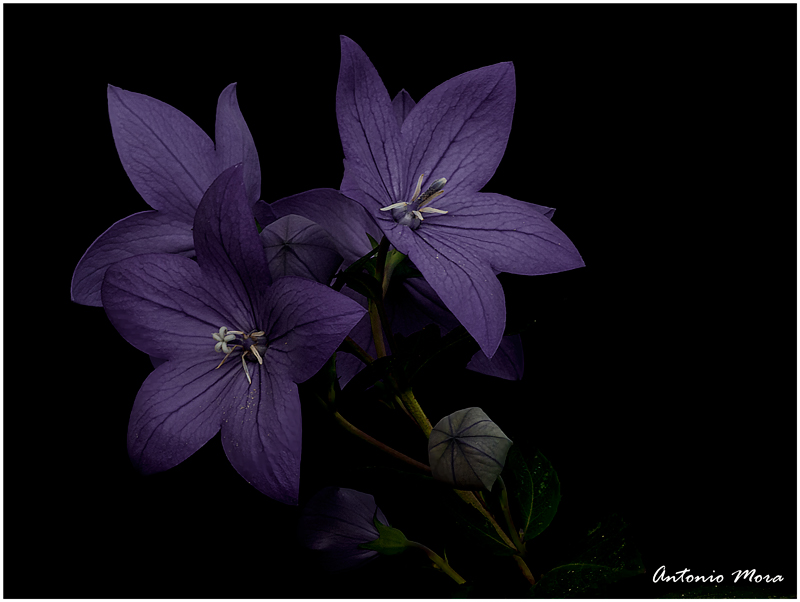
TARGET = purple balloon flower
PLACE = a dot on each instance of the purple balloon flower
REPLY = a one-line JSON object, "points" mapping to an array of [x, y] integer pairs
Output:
{"points": [[410, 306], [335, 522], [235, 345], [419, 179], [171, 162]]}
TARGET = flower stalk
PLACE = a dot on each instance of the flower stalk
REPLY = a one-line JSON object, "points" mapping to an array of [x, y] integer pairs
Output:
{"points": [[438, 561], [518, 543]]}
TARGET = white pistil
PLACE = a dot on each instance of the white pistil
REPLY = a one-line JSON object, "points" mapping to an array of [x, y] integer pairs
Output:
{"points": [[226, 355], [225, 336]]}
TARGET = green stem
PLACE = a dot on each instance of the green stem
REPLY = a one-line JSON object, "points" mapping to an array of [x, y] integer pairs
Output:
{"points": [[507, 514], [381, 446], [413, 407], [439, 561], [524, 568], [377, 334], [473, 501], [383, 276], [351, 346]]}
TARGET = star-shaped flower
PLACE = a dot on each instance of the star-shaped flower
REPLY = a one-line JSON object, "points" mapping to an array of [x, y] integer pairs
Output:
{"points": [[419, 179], [171, 162], [410, 305], [235, 345]]}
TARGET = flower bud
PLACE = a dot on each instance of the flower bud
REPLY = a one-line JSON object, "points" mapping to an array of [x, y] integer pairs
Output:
{"points": [[335, 522], [467, 450]]}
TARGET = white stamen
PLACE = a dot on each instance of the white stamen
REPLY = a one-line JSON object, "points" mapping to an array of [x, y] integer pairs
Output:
{"points": [[419, 187], [418, 214], [395, 206], [246, 371], [256, 353], [432, 210]]}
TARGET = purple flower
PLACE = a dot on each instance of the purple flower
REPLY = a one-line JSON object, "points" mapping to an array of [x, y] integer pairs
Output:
{"points": [[419, 179], [335, 522], [411, 305], [235, 345], [171, 162]]}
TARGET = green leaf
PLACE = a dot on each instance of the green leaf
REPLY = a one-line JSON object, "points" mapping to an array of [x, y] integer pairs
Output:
{"points": [[533, 485], [355, 268], [606, 556]]}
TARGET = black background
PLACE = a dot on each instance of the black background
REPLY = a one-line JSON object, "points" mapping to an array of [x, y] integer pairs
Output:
{"points": [[659, 378]]}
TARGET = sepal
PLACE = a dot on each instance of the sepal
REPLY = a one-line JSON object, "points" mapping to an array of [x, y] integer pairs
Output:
{"points": [[390, 541]]}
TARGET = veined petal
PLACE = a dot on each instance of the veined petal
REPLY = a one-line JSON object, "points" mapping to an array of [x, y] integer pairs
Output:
{"points": [[234, 143], [402, 105], [297, 246], [460, 129], [463, 280], [372, 199], [262, 433], [178, 409], [163, 305], [507, 362], [346, 222], [145, 232], [305, 323], [367, 124], [229, 250], [514, 236], [167, 157]]}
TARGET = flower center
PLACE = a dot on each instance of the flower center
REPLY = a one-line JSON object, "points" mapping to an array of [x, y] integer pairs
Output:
{"points": [[410, 214], [251, 345]]}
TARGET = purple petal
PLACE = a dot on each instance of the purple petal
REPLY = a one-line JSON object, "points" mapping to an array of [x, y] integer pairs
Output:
{"points": [[229, 250], [163, 305], [513, 236], [167, 157], [335, 522], [234, 143], [146, 232], [459, 130], [415, 305], [263, 213], [297, 246], [346, 222], [464, 281], [262, 433], [367, 124], [178, 409], [370, 198], [402, 105], [507, 363], [305, 323]]}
